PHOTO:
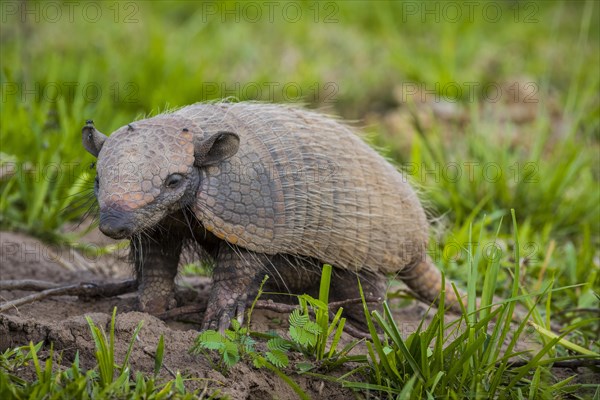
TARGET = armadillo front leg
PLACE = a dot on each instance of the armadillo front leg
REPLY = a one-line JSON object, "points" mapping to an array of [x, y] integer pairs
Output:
{"points": [[155, 258], [236, 277]]}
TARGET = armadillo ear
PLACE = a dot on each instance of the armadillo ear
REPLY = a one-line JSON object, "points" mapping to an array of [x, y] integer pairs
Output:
{"points": [[216, 148], [92, 138]]}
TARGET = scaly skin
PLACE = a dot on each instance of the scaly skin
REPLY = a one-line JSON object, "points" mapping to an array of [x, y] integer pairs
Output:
{"points": [[264, 189], [237, 277], [155, 256], [307, 185]]}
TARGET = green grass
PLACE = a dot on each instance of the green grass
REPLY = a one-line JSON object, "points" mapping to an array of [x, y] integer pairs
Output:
{"points": [[471, 357], [177, 53]]}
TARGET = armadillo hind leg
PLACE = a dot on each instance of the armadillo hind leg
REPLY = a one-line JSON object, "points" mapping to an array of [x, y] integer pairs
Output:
{"points": [[292, 274], [344, 286], [425, 279], [155, 257], [236, 277]]}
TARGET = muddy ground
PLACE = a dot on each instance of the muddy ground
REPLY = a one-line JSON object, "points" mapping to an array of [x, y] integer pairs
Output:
{"points": [[60, 320]]}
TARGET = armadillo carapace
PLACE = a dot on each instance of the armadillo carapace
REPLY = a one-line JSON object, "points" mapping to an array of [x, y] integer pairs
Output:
{"points": [[264, 189]]}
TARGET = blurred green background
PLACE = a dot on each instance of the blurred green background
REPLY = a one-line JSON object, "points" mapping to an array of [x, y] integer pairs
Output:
{"points": [[487, 105]]}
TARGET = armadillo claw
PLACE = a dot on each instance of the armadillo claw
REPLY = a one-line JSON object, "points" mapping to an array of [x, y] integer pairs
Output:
{"points": [[156, 294], [218, 317], [156, 305]]}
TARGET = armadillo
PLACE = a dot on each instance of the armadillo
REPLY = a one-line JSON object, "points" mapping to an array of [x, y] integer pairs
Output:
{"points": [[263, 189]]}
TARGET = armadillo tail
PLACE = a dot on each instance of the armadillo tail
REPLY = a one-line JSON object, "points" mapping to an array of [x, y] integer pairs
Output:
{"points": [[426, 281]]}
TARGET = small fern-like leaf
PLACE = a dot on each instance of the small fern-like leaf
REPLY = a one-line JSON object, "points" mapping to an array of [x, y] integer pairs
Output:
{"points": [[258, 362], [294, 333], [210, 340], [231, 335], [302, 336], [230, 354], [312, 327], [277, 358], [298, 319], [278, 344], [310, 338], [248, 344], [235, 325]]}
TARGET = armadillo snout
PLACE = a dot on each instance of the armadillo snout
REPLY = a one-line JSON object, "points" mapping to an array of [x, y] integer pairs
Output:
{"points": [[116, 223]]}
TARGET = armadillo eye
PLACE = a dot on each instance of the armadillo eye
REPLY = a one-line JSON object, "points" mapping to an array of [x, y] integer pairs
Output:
{"points": [[173, 180]]}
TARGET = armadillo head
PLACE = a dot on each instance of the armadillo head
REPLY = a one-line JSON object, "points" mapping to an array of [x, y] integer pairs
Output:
{"points": [[150, 169]]}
